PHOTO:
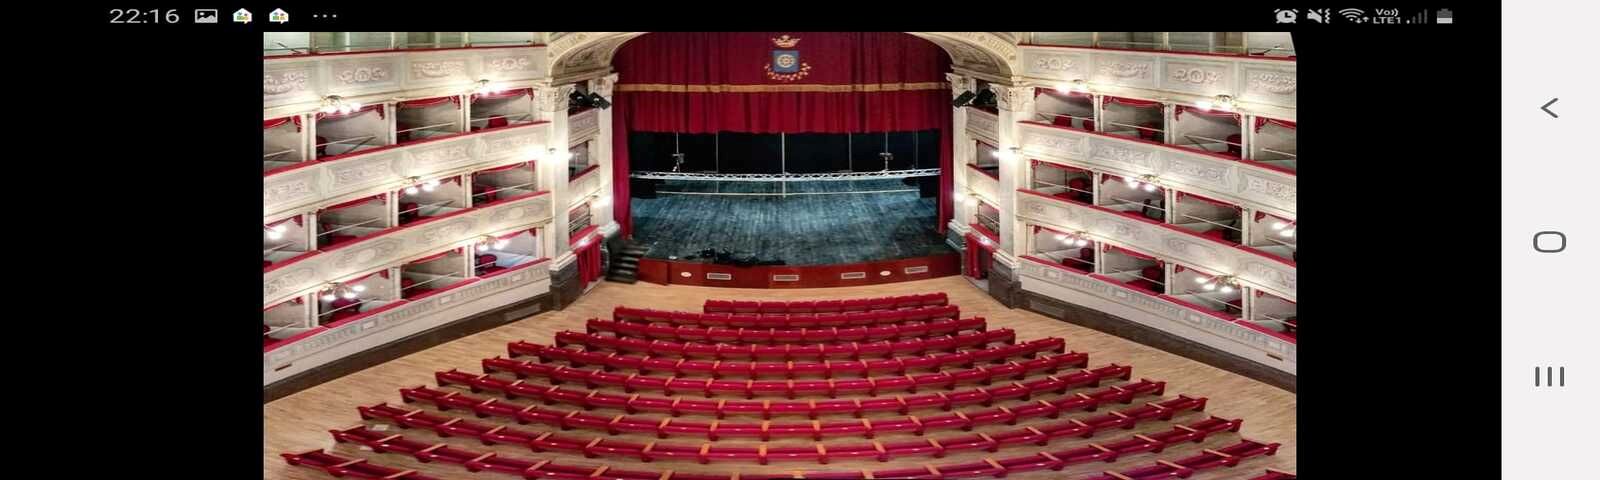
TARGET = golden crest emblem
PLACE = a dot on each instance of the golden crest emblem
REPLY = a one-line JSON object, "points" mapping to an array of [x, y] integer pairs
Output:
{"points": [[786, 65]]}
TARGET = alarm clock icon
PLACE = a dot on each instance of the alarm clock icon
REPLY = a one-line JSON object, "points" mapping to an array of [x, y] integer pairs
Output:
{"points": [[1287, 15]]}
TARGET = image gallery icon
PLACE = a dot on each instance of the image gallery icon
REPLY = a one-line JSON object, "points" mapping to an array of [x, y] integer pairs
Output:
{"points": [[205, 15]]}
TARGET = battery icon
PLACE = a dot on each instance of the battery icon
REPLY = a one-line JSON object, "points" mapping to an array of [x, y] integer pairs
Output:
{"points": [[1445, 16]]}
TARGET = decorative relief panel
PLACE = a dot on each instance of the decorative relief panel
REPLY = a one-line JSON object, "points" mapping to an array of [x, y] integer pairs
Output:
{"points": [[984, 185], [1197, 77], [372, 173], [1253, 80], [983, 125], [383, 250], [582, 126], [1167, 243], [353, 77], [1246, 184], [584, 186], [1125, 70], [1270, 84], [1056, 65], [1161, 310], [289, 81], [404, 314]]}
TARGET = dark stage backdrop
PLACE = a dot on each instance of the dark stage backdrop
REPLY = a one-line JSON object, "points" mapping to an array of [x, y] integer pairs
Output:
{"points": [[737, 82]]}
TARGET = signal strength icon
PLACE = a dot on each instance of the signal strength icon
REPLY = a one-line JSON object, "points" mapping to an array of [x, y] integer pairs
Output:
{"points": [[1354, 15]]}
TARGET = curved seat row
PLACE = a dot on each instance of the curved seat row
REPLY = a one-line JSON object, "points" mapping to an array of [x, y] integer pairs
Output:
{"points": [[828, 306], [692, 370], [790, 369], [787, 320], [685, 333], [671, 386], [851, 350], [594, 447], [1228, 456], [766, 430]]}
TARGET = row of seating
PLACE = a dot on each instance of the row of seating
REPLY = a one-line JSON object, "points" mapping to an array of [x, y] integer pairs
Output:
{"points": [[766, 430], [828, 306], [684, 333], [356, 468], [852, 350], [1274, 474], [787, 320], [704, 453], [1228, 456], [750, 388], [827, 368]]}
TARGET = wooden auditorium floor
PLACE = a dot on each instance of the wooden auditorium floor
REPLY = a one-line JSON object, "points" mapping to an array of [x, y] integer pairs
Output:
{"points": [[301, 421]]}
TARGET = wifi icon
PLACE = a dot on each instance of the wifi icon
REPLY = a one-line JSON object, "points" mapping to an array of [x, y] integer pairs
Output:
{"points": [[1354, 15]]}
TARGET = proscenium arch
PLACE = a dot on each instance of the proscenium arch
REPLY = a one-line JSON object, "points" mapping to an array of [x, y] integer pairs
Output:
{"points": [[989, 56]]}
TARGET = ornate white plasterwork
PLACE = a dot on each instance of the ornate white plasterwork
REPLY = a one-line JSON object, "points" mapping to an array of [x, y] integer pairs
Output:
{"points": [[1169, 243], [290, 81], [362, 174], [1239, 182], [1159, 313], [383, 249], [583, 126], [1265, 84]]}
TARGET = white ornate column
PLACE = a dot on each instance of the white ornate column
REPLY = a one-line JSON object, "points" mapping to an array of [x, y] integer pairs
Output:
{"points": [[959, 144], [551, 102], [1016, 104], [604, 86]]}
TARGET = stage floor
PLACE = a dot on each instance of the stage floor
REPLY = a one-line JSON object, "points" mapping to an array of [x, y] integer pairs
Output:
{"points": [[797, 229]]}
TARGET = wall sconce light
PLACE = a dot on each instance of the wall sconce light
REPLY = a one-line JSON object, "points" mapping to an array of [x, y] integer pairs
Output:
{"points": [[1223, 283], [1284, 229], [275, 232], [1148, 183], [419, 186], [560, 156], [1075, 86], [485, 87], [1080, 239], [1220, 102], [335, 291], [332, 104], [1008, 154], [489, 242]]}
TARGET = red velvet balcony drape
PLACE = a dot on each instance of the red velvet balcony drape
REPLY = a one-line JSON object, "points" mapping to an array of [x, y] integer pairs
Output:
{"points": [[844, 82]]}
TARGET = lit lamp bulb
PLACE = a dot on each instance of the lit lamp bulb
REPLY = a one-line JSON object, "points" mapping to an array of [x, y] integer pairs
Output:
{"points": [[1287, 232], [1210, 287], [359, 288], [273, 234], [958, 196], [499, 244], [1200, 280], [1081, 242], [1279, 225], [430, 185], [1203, 104], [349, 295], [328, 297], [1227, 289], [1149, 187], [412, 190], [1131, 183], [1061, 238]]}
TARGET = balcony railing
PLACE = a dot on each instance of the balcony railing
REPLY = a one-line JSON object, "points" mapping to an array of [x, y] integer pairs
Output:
{"points": [[1267, 81], [1186, 169], [1169, 242], [1234, 335], [308, 185], [302, 81], [306, 272]]}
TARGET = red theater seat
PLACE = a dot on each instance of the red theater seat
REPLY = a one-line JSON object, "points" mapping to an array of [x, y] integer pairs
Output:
{"points": [[322, 146], [497, 122], [1148, 282], [409, 212], [484, 193], [1150, 131], [1233, 145]]}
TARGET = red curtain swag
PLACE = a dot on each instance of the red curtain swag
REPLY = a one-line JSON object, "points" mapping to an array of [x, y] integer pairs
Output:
{"points": [[505, 94], [1178, 113], [979, 256], [1132, 102], [1263, 121], [845, 82], [1220, 203], [379, 198], [429, 102], [433, 257], [297, 219], [278, 122], [368, 108], [1261, 215]]}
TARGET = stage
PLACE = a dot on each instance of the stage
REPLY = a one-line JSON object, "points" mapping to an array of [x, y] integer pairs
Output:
{"points": [[852, 222]]}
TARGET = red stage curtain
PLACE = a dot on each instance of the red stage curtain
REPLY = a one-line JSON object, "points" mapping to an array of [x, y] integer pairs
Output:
{"points": [[979, 256], [708, 82], [589, 262]]}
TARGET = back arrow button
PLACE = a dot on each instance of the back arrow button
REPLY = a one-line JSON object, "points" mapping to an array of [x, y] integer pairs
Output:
{"points": [[1546, 108]]}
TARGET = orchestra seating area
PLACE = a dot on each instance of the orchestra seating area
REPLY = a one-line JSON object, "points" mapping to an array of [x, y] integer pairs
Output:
{"points": [[909, 385]]}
